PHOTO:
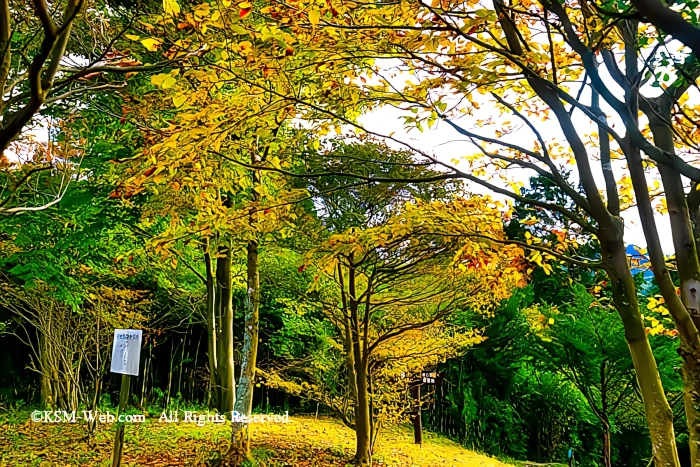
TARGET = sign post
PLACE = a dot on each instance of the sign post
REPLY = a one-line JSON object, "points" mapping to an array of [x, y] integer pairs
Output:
{"points": [[417, 417], [126, 352]]}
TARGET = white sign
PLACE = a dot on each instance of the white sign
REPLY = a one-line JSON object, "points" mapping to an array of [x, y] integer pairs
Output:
{"points": [[126, 351]]}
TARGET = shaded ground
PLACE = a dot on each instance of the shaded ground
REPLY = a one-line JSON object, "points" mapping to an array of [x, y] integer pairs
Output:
{"points": [[303, 442]]}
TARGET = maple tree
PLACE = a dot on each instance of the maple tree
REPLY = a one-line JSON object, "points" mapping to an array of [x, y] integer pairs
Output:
{"points": [[382, 320]]}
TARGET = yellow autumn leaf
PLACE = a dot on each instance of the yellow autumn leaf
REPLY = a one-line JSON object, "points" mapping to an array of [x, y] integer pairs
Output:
{"points": [[314, 16], [171, 7], [169, 82], [151, 44], [157, 80], [132, 37], [179, 100]]}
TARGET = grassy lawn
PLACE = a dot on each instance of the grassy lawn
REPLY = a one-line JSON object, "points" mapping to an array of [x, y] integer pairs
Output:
{"points": [[304, 441]]}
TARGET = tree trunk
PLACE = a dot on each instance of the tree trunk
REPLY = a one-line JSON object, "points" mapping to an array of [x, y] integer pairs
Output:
{"points": [[240, 438], [658, 412], [363, 454], [417, 418], [607, 455], [347, 341], [660, 418], [214, 392], [603, 415], [45, 394], [224, 301], [362, 418], [688, 270]]}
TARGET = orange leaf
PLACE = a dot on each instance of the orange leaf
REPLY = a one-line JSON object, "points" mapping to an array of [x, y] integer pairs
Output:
{"points": [[245, 12]]}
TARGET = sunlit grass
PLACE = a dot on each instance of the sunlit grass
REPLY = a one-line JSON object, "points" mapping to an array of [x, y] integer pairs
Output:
{"points": [[303, 441]]}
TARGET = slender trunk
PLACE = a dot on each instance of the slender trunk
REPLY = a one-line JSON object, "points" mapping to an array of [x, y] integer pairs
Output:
{"points": [[240, 438], [607, 453], [225, 310], [658, 412], [693, 200], [417, 418], [45, 397], [170, 376], [182, 364], [362, 416], [347, 341], [214, 393], [145, 376], [660, 418], [192, 371], [363, 454], [220, 342], [688, 270], [240, 435]]}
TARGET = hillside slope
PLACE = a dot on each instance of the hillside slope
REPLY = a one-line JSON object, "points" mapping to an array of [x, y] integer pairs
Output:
{"points": [[303, 442], [394, 447]]}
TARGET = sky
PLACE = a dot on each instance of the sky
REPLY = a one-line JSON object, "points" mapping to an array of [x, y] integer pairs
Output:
{"points": [[446, 144]]}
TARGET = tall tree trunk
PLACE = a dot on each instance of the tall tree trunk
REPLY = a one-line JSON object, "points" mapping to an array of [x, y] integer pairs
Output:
{"points": [[240, 438], [664, 450], [347, 338], [363, 454], [240, 435], [224, 301], [658, 412], [607, 453], [215, 393], [362, 416], [688, 270]]}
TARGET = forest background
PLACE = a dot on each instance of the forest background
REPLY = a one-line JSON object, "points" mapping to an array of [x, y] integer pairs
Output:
{"points": [[202, 172]]}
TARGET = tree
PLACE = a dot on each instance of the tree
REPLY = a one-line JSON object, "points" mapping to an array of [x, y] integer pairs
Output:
{"points": [[258, 81], [584, 342], [52, 59], [391, 273], [457, 53], [682, 27]]}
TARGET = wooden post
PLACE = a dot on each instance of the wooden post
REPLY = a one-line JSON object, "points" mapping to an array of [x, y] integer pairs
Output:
{"points": [[119, 437], [417, 421]]}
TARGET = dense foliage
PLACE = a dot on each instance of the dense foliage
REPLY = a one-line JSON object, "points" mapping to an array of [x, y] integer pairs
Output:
{"points": [[201, 171]]}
